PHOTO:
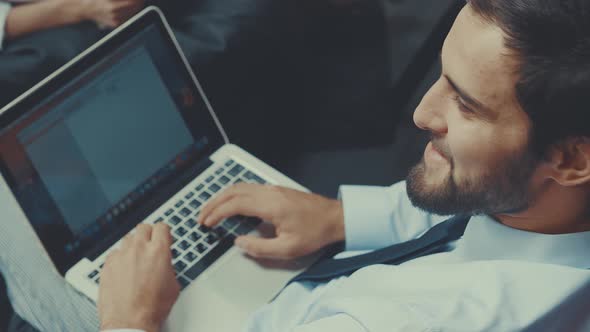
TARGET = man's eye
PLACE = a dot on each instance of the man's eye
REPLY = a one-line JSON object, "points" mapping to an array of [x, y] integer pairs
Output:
{"points": [[462, 107]]}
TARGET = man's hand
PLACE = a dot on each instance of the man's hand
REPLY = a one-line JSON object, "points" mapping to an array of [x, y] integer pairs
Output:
{"points": [[137, 286], [304, 222], [110, 13]]}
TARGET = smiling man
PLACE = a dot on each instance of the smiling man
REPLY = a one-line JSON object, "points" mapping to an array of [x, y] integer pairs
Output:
{"points": [[509, 157]]}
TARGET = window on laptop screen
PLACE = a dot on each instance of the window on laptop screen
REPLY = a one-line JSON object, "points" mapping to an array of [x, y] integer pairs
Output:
{"points": [[111, 137]]}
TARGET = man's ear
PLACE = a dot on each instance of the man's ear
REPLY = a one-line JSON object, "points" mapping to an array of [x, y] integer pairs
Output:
{"points": [[569, 162]]}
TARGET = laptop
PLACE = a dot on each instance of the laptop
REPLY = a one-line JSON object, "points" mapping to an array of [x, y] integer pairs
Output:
{"points": [[124, 134]]}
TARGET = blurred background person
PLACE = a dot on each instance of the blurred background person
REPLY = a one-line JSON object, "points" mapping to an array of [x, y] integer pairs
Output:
{"points": [[39, 36]]}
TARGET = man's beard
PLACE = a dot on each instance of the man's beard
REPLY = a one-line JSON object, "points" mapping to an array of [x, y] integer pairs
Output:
{"points": [[501, 189]]}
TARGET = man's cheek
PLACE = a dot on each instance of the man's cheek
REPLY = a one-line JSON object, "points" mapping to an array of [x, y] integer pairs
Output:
{"points": [[470, 163]]}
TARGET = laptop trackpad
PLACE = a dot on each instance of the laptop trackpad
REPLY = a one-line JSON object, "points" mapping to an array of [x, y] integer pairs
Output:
{"points": [[223, 297]]}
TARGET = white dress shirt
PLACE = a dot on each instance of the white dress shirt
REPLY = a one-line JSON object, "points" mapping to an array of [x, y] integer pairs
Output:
{"points": [[495, 278]]}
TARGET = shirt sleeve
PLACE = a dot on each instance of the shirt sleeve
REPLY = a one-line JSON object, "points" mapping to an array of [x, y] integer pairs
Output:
{"points": [[377, 217], [339, 322], [4, 10]]}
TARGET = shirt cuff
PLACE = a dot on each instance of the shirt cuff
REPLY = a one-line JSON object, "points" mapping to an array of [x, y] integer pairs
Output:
{"points": [[5, 8], [367, 217]]}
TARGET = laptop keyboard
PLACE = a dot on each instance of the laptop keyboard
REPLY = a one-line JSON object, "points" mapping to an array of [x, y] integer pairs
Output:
{"points": [[195, 247]]}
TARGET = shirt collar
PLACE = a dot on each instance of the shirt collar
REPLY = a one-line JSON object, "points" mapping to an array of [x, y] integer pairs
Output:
{"points": [[487, 239]]}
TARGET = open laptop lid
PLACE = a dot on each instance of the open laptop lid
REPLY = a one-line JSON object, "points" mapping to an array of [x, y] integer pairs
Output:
{"points": [[97, 146]]}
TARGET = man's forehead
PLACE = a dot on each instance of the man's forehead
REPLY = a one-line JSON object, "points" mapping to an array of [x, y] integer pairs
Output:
{"points": [[475, 57]]}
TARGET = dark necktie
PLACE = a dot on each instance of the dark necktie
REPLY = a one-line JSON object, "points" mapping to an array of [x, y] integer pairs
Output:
{"points": [[434, 239]]}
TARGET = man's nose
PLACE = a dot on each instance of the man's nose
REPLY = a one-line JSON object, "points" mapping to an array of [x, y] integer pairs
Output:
{"points": [[430, 113]]}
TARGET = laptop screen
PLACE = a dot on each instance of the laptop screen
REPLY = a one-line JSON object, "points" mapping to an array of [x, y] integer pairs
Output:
{"points": [[106, 141]]}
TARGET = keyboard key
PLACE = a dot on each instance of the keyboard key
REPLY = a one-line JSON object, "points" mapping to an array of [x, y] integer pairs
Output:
{"points": [[100, 267], [179, 203], [169, 212], [252, 221], [229, 163], [179, 266], [236, 181], [211, 238], [183, 282], [204, 229], [185, 212], [200, 187], [190, 256], [219, 170], [227, 226], [220, 231], [243, 229], [204, 196], [214, 188], [253, 177], [231, 222], [190, 223], [259, 179], [159, 220], [201, 248], [194, 236], [209, 179], [223, 180], [250, 181], [180, 231], [175, 253], [194, 204], [97, 281], [236, 170], [92, 274], [206, 261], [174, 239], [184, 245], [174, 220], [189, 195]]}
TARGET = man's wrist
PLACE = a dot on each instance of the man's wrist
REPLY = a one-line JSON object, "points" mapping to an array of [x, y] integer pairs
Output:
{"points": [[337, 231], [144, 326], [71, 11]]}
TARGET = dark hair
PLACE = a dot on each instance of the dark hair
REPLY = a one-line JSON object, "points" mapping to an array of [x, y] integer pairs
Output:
{"points": [[552, 41]]}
